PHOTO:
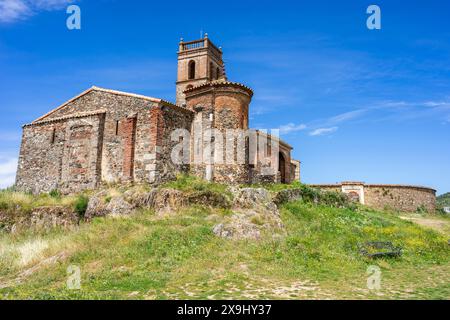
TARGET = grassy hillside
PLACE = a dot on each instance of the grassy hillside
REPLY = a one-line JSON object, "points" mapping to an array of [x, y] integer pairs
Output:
{"points": [[145, 256], [444, 200]]}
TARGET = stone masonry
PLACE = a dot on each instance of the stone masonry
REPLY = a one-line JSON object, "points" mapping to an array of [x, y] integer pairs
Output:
{"points": [[387, 196]]}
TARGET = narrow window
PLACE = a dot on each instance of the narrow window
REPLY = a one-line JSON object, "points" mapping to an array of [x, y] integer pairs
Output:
{"points": [[217, 73], [211, 71], [117, 127], [191, 70], [53, 136]]}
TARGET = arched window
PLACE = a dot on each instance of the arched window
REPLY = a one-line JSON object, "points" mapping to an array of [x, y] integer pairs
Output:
{"points": [[191, 70], [217, 73]]}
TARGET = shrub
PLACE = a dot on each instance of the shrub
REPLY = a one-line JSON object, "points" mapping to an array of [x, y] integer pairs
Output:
{"points": [[422, 209], [81, 204], [55, 194]]}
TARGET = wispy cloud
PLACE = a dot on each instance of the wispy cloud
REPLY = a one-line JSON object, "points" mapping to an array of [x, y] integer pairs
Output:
{"points": [[8, 169], [15, 10], [347, 116], [291, 127], [323, 131]]}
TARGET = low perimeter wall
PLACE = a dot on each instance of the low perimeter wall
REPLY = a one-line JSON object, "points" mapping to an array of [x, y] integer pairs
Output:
{"points": [[396, 197]]}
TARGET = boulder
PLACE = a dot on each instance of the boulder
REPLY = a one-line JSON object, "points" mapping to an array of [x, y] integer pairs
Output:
{"points": [[119, 207], [96, 206], [142, 199], [238, 228], [254, 212], [167, 200], [209, 198], [256, 199]]}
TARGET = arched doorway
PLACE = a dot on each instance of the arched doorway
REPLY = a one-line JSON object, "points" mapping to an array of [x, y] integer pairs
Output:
{"points": [[282, 167], [353, 196]]}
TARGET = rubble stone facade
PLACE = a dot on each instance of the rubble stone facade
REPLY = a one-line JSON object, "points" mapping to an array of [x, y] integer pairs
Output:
{"points": [[394, 197], [110, 136]]}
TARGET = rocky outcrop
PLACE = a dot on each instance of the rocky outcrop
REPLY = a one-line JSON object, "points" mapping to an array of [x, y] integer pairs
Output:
{"points": [[96, 206], [287, 195], [167, 201], [99, 205], [39, 219], [209, 198], [254, 213], [117, 206]]}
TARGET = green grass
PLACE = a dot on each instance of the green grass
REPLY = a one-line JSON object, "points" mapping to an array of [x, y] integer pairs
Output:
{"points": [[148, 257], [189, 183], [11, 200]]}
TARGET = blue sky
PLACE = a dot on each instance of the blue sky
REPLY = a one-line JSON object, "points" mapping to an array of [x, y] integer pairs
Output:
{"points": [[356, 104]]}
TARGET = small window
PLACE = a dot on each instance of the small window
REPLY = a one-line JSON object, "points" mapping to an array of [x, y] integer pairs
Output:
{"points": [[191, 70], [117, 127], [53, 138]]}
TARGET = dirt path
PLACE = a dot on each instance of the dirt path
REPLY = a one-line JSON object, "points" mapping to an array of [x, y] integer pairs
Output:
{"points": [[441, 225]]}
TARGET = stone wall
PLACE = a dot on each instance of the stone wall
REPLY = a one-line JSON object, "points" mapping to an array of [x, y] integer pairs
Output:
{"points": [[393, 197], [61, 154], [100, 136], [402, 198]]}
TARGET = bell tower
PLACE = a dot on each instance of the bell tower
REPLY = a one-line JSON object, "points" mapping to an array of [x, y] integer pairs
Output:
{"points": [[199, 62]]}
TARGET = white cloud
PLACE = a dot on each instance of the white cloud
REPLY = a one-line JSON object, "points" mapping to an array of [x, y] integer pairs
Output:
{"points": [[14, 10], [291, 127], [323, 131], [8, 169], [347, 116]]}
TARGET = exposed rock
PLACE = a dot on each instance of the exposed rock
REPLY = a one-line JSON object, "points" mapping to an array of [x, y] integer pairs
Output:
{"points": [[287, 195], [40, 219], [119, 207], [96, 206], [238, 228], [254, 213], [168, 200], [141, 199], [209, 198], [257, 199]]}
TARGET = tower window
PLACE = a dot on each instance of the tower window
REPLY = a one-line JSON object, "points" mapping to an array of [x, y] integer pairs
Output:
{"points": [[191, 70], [217, 73], [211, 71]]}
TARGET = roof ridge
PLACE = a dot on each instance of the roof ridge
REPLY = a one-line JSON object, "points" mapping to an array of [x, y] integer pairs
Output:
{"points": [[220, 82], [123, 93], [70, 116]]}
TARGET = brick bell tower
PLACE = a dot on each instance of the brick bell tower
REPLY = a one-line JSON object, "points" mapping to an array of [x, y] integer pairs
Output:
{"points": [[199, 62]]}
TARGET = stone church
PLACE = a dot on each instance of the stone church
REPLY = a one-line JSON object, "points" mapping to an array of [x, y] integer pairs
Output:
{"points": [[110, 136]]}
